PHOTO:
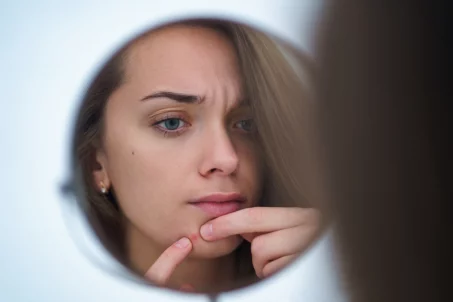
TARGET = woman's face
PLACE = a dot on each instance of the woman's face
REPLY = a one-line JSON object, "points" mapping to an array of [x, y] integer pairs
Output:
{"points": [[177, 130]]}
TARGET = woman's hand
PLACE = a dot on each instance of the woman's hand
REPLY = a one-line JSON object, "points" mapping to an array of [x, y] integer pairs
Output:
{"points": [[160, 272], [277, 235]]}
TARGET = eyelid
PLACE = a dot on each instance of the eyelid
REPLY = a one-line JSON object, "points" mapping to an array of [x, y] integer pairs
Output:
{"points": [[157, 118], [242, 116], [241, 113]]}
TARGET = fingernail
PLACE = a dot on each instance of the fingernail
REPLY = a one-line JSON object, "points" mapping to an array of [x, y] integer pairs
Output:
{"points": [[206, 230], [182, 243]]}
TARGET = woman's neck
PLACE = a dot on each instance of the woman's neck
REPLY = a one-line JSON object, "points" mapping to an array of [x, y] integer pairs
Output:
{"points": [[204, 275]]}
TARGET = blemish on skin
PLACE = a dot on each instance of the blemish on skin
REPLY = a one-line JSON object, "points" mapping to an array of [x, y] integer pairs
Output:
{"points": [[133, 153], [193, 237]]}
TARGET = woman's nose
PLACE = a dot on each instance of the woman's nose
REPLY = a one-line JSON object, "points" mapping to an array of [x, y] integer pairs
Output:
{"points": [[218, 155]]}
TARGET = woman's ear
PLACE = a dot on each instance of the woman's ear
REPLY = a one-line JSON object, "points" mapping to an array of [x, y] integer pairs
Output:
{"points": [[100, 174]]}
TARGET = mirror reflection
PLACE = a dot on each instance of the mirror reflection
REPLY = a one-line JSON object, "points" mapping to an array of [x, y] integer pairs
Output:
{"points": [[186, 154]]}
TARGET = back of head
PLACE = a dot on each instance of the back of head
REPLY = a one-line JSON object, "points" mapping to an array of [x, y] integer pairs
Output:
{"points": [[383, 124]]}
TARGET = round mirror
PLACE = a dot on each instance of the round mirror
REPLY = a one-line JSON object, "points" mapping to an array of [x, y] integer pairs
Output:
{"points": [[189, 157]]}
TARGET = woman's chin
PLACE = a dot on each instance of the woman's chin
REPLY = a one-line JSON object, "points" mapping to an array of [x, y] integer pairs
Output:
{"points": [[214, 249]]}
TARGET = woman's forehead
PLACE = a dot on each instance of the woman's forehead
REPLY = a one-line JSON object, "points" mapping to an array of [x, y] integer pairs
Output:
{"points": [[184, 59]]}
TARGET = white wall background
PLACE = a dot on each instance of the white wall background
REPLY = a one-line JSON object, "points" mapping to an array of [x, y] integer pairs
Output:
{"points": [[49, 51]]}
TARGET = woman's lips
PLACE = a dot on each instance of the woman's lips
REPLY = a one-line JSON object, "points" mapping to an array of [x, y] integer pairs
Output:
{"points": [[217, 209], [219, 204]]}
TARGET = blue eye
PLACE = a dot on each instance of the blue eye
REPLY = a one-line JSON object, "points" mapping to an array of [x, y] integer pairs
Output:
{"points": [[245, 125], [171, 124]]}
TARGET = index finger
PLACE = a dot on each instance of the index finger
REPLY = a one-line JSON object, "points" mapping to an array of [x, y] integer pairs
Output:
{"points": [[256, 220], [161, 270]]}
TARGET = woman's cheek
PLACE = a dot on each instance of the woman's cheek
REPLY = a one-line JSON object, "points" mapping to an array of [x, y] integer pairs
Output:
{"points": [[251, 173]]}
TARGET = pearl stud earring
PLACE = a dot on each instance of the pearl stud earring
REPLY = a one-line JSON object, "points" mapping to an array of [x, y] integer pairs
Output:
{"points": [[103, 188]]}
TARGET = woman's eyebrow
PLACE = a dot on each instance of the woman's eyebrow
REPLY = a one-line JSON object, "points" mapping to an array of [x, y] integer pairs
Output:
{"points": [[175, 96], [242, 103]]}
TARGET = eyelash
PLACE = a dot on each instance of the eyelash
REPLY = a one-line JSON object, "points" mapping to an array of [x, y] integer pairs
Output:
{"points": [[246, 120], [168, 132], [156, 124]]}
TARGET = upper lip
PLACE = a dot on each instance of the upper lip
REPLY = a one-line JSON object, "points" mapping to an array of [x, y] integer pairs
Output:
{"points": [[220, 197]]}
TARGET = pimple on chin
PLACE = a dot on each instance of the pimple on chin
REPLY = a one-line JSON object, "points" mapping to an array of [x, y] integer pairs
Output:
{"points": [[193, 237]]}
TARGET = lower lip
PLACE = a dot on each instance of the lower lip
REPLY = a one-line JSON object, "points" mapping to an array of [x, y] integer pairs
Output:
{"points": [[217, 209]]}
